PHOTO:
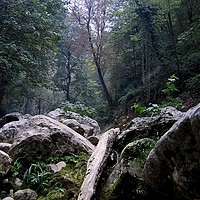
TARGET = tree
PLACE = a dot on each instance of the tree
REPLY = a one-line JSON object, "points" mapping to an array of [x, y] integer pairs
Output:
{"points": [[28, 39], [70, 58], [93, 16], [135, 37]]}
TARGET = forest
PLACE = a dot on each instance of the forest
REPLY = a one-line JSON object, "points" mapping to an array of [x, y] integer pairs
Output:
{"points": [[104, 58]]}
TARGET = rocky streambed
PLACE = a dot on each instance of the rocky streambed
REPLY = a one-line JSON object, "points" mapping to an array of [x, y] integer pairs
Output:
{"points": [[63, 155]]}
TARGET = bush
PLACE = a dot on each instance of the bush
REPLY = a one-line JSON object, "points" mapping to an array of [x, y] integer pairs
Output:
{"points": [[79, 108]]}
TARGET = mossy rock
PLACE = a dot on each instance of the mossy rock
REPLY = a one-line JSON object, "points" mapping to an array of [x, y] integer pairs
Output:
{"points": [[138, 149], [126, 179], [67, 182], [126, 187]]}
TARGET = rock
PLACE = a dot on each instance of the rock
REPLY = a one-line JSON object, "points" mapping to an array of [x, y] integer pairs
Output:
{"points": [[151, 127], [26, 194], [39, 137], [9, 131], [88, 130], [83, 125], [171, 113], [5, 163], [57, 167], [8, 198], [82, 129], [172, 166], [18, 182], [5, 147], [131, 160], [75, 125]]}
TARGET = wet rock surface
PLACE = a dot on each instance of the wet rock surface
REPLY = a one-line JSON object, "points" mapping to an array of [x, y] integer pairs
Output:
{"points": [[172, 166]]}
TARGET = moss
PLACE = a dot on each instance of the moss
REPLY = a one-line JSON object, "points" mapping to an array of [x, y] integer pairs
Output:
{"points": [[126, 187], [126, 184], [138, 149], [67, 182]]}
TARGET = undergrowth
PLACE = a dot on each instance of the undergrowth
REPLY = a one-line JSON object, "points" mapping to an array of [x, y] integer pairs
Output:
{"points": [[38, 177]]}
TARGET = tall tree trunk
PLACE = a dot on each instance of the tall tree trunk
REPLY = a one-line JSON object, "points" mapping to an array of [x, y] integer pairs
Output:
{"points": [[94, 16], [101, 78], [39, 106], [68, 78], [97, 60], [67, 56]]}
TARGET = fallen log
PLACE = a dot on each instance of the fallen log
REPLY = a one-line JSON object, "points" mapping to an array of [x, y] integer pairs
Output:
{"points": [[96, 164]]}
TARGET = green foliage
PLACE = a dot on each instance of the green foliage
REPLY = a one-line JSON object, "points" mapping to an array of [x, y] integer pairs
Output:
{"points": [[28, 42], [169, 92], [37, 176], [154, 108], [139, 109], [71, 158], [142, 110], [170, 85], [16, 168], [170, 100], [79, 108], [3, 194]]}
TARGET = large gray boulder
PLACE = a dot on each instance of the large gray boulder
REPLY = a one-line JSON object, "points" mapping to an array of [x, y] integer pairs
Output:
{"points": [[39, 137], [126, 179], [172, 166], [82, 124], [131, 160], [150, 127]]}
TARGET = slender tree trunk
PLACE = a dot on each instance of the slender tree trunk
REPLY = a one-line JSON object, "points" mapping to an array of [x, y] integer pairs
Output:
{"points": [[68, 75], [39, 106], [101, 78], [68, 79], [97, 61]]}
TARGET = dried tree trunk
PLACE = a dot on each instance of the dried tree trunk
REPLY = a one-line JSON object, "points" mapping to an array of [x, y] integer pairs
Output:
{"points": [[96, 164]]}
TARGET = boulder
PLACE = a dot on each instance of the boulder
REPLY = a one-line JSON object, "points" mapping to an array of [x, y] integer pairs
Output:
{"points": [[172, 166], [8, 198], [131, 161], [151, 127], [39, 137], [12, 117], [5, 163], [82, 129], [82, 124], [126, 178], [26, 194]]}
